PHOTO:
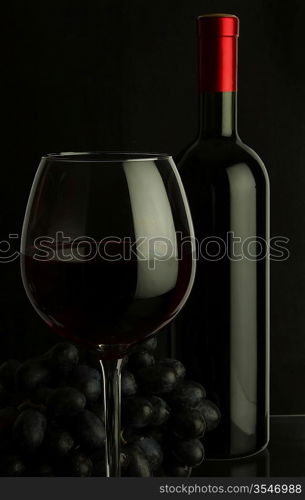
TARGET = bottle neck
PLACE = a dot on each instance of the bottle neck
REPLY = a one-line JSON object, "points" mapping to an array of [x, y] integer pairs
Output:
{"points": [[218, 115], [217, 53]]}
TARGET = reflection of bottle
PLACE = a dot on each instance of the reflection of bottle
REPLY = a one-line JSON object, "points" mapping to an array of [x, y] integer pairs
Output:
{"points": [[256, 466], [222, 333]]}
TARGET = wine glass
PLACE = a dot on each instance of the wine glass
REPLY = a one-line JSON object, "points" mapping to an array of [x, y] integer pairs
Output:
{"points": [[107, 257]]}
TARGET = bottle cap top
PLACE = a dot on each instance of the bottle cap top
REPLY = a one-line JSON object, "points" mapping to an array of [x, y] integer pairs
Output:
{"points": [[218, 25]]}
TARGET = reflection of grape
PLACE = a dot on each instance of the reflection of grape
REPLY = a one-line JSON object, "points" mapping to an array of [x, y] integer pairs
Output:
{"points": [[52, 416]]}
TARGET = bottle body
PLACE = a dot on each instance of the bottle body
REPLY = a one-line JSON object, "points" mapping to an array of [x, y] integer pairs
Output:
{"points": [[222, 333]]}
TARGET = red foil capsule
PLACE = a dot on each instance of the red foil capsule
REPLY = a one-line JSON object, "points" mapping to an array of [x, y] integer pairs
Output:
{"points": [[218, 52]]}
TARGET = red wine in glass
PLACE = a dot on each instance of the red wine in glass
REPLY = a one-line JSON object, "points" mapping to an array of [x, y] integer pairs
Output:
{"points": [[107, 257]]}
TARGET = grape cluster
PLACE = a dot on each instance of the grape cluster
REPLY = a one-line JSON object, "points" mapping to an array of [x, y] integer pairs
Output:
{"points": [[52, 416]]}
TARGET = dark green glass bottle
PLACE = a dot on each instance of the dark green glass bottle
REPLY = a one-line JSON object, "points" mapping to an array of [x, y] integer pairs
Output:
{"points": [[221, 335]]}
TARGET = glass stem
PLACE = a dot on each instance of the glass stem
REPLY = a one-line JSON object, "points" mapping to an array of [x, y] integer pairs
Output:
{"points": [[111, 369]]}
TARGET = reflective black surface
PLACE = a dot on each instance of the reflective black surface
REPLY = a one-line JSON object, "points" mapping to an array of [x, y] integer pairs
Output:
{"points": [[285, 455]]}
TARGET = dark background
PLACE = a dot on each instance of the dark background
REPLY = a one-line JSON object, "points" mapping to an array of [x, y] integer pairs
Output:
{"points": [[108, 74]]}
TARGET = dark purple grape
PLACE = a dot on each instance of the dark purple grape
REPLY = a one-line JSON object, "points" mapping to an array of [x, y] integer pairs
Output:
{"points": [[8, 371], [149, 344], [58, 442], [176, 365], [32, 374], [88, 381], [140, 359], [79, 465], [137, 412], [151, 450], [175, 469], [161, 411], [157, 379], [13, 466], [138, 465], [65, 402], [63, 357], [187, 424], [189, 452], [210, 413], [29, 430], [89, 430], [129, 385], [187, 394]]}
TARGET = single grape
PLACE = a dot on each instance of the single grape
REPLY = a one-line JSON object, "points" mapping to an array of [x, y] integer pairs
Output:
{"points": [[65, 402], [89, 430], [210, 413], [8, 371], [152, 451], [187, 424], [157, 379], [29, 430], [161, 411], [149, 344], [173, 468], [140, 359], [187, 394], [176, 365], [189, 452], [137, 411], [58, 442], [32, 374], [138, 465], [88, 381], [129, 385], [63, 357]]}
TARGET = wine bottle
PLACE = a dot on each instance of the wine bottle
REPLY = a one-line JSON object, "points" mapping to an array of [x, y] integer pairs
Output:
{"points": [[221, 335]]}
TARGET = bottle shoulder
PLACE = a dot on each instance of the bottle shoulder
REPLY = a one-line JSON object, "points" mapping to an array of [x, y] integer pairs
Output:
{"points": [[220, 154]]}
